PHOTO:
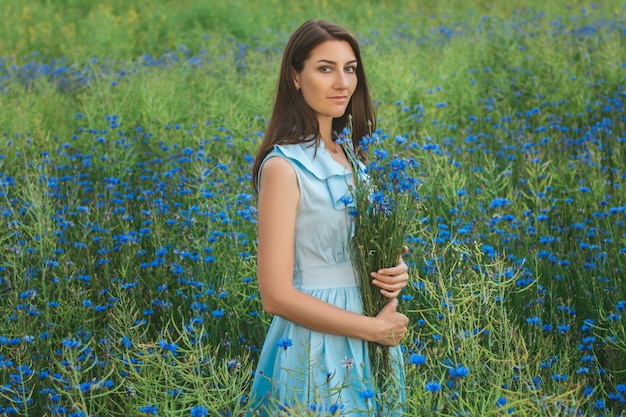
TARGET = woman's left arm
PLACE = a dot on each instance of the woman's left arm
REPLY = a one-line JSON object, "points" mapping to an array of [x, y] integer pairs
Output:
{"points": [[392, 280]]}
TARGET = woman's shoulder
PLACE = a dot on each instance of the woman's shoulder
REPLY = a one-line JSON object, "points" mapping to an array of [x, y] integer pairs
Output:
{"points": [[281, 161], [274, 169], [273, 162]]}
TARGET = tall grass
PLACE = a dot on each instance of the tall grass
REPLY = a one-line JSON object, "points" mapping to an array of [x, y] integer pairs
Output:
{"points": [[127, 275]]}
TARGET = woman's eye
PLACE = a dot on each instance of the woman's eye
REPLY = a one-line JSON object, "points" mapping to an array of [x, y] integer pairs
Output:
{"points": [[326, 69], [350, 68]]}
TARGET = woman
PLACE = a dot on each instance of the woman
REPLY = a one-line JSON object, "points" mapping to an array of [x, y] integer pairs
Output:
{"points": [[315, 353]]}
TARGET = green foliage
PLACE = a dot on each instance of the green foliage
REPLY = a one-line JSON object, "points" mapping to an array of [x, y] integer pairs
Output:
{"points": [[128, 218]]}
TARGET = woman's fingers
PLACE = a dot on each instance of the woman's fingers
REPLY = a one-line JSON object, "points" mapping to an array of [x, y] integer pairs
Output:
{"points": [[391, 287], [392, 280], [395, 324], [394, 270], [390, 294]]}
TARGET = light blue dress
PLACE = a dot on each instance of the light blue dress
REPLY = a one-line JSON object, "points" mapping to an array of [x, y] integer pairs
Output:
{"points": [[298, 368]]}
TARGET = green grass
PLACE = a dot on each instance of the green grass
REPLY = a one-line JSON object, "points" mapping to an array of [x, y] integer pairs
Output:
{"points": [[128, 218]]}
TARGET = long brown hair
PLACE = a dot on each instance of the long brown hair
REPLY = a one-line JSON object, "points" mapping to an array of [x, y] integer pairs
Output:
{"points": [[292, 120]]}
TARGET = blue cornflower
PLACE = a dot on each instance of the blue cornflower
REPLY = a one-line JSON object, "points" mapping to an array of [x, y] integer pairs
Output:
{"points": [[335, 408], [149, 409], [347, 200], [199, 411], [366, 394], [499, 202], [589, 339], [587, 358], [433, 386], [488, 250], [174, 392], [171, 347], [378, 198], [535, 383], [563, 328], [599, 405], [458, 371], [398, 164], [126, 342], [233, 365], [30, 294], [284, 343], [365, 142], [417, 359], [86, 386], [71, 343], [381, 154], [588, 324]]}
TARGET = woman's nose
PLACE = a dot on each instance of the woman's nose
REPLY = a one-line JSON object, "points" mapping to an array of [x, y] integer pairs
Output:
{"points": [[341, 81]]}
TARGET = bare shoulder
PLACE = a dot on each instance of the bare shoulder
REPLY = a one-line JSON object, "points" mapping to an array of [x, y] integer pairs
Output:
{"points": [[277, 164], [278, 173], [279, 194]]}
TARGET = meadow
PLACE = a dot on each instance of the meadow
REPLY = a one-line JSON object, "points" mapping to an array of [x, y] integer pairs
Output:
{"points": [[128, 220]]}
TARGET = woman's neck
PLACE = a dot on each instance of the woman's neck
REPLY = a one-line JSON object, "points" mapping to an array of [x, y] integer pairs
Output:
{"points": [[325, 132]]}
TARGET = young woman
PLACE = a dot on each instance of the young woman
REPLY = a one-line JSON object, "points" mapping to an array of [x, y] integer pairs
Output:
{"points": [[315, 354]]}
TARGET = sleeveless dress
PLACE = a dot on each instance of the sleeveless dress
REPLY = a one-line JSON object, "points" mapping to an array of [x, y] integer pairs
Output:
{"points": [[300, 369]]}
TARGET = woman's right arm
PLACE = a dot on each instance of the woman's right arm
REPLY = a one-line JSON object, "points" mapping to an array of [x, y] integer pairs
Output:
{"points": [[278, 202]]}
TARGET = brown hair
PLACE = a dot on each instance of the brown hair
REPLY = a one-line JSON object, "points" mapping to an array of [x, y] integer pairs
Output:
{"points": [[292, 120]]}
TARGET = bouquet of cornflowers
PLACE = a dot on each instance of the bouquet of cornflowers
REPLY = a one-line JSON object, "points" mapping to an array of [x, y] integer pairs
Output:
{"points": [[387, 200]]}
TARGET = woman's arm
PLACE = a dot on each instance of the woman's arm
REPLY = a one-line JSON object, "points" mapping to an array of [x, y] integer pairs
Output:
{"points": [[278, 201]]}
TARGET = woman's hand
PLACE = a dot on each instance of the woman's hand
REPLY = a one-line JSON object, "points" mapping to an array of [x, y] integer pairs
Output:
{"points": [[392, 280], [393, 325]]}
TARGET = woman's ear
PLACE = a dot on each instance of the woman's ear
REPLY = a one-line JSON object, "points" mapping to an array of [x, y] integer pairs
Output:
{"points": [[296, 79]]}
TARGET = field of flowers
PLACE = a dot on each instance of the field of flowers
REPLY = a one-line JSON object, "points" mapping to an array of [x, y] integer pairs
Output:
{"points": [[128, 222]]}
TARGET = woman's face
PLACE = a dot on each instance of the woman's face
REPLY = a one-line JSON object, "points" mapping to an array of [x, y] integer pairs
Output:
{"points": [[328, 79]]}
